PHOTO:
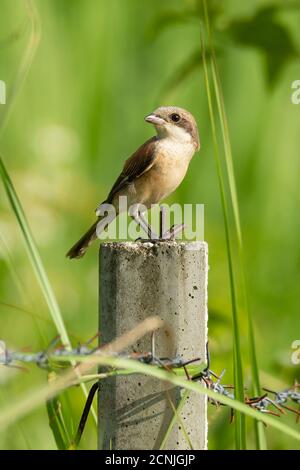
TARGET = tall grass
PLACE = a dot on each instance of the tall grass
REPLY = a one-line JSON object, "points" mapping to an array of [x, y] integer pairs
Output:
{"points": [[37, 264], [238, 366], [238, 370], [34, 255], [16, 206], [260, 434]]}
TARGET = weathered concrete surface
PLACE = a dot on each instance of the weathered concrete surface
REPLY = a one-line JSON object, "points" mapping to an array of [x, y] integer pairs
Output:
{"points": [[168, 279]]}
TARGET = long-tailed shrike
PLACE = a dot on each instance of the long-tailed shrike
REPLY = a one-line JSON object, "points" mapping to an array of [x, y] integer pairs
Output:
{"points": [[155, 170]]}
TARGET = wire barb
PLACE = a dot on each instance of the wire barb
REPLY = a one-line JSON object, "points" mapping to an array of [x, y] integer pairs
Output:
{"points": [[46, 360]]}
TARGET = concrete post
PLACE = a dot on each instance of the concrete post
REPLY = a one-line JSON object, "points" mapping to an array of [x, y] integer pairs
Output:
{"points": [[168, 279]]}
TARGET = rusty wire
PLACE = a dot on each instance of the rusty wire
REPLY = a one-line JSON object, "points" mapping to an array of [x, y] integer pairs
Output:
{"points": [[277, 405]]}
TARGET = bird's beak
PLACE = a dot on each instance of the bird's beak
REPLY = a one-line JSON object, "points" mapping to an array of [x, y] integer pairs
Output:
{"points": [[154, 119]]}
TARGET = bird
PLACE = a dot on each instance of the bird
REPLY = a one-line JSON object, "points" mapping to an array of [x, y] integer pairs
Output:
{"points": [[154, 171]]}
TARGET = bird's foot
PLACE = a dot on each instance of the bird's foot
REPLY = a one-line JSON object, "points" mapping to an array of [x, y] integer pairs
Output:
{"points": [[168, 235], [173, 231]]}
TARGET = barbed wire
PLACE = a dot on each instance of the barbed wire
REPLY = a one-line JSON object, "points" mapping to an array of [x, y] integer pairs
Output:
{"points": [[45, 359], [261, 403]]}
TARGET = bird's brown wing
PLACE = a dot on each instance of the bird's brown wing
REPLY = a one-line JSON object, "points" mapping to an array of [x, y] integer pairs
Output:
{"points": [[135, 166]]}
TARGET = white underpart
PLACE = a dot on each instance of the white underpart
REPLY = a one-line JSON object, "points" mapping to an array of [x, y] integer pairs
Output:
{"points": [[176, 144], [175, 132], [176, 149], [177, 152]]}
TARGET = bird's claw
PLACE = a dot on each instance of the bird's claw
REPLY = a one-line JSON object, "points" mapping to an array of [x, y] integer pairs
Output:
{"points": [[169, 235]]}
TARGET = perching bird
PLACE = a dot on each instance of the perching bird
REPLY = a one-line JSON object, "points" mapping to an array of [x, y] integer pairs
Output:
{"points": [[155, 170]]}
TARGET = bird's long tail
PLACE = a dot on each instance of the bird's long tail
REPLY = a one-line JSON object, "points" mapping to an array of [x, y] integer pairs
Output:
{"points": [[79, 249]]}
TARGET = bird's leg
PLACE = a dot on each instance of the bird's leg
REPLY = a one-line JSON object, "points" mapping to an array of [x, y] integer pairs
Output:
{"points": [[162, 221], [153, 344], [173, 231], [142, 222], [164, 234], [149, 230]]}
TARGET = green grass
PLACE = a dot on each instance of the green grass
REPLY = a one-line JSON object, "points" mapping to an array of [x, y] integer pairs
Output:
{"points": [[240, 430], [36, 398], [238, 366], [37, 264], [34, 256], [16, 206], [176, 419]]}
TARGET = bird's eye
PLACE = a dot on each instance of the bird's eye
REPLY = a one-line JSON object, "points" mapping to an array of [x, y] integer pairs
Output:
{"points": [[175, 117]]}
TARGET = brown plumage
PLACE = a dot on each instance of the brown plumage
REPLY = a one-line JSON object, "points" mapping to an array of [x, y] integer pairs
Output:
{"points": [[135, 166]]}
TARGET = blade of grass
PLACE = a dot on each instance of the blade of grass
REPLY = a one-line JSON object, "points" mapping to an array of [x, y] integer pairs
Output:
{"points": [[192, 386], [37, 263], [56, 423], [238, 371], [36, 398], [189, 385], [260, 434], [56, 419], [176, 419]]}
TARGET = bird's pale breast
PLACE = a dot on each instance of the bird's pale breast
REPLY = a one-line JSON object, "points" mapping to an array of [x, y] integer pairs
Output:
{"points": [[166, 174]]}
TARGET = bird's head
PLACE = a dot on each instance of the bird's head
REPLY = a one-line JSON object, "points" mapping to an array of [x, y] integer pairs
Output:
{"points": [[176, 123]]}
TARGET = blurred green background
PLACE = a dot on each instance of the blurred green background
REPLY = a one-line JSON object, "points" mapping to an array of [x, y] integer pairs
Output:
{"points": [[101, 66]]}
